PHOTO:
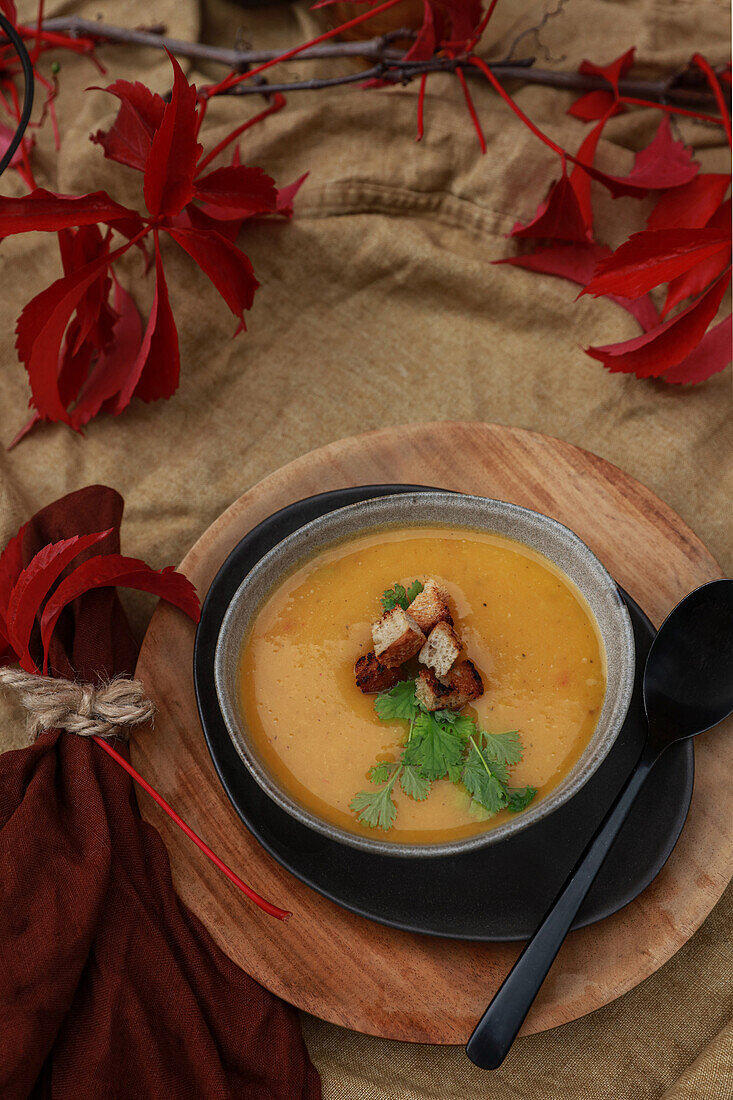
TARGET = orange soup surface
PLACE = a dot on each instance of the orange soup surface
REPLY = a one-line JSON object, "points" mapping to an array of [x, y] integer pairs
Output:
{"points": [[523, 623]]}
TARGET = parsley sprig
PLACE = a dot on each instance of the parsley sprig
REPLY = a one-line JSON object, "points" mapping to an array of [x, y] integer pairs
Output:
{"points": [[440, 745], [400, 596]]}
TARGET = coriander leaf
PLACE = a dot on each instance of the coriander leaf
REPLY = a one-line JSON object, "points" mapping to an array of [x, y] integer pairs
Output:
{"points": [[414, 590], [520, 798], [398, 597], [463, 724], [481, 783], [398, 702], [376, 808], [414, 783], [394, 596], [505, 748], [382, 771], [433, 746]]}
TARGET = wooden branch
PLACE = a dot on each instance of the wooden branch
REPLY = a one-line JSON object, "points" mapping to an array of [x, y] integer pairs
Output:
{"points": [[390, 64]]}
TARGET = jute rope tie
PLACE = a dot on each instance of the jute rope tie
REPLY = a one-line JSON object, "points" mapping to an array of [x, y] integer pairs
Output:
{"points": [[101, 710]]}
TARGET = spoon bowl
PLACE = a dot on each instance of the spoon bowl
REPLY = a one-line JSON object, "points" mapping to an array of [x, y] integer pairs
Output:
{"points": [[688, 678]]}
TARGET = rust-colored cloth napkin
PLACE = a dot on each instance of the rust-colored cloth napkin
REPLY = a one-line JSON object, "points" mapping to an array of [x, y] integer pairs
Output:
{"points": [[109, 987]]}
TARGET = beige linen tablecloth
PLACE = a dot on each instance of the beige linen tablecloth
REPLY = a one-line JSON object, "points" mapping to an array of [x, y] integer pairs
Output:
{"points": [[379, 305]]}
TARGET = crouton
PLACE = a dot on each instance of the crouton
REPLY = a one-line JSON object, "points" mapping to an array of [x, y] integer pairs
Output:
{"points": [[397, 637], [441, 650], [462, 685], [372, 676], [430, 607]]}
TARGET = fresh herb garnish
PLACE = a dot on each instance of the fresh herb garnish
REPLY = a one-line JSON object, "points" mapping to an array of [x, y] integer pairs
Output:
{"points": [[398, 702], [399, 596], [441, 745]]}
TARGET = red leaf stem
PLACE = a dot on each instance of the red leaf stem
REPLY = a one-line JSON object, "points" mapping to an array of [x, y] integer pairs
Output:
{"points": [[472, 110], [267, 906], [714, 83], [278, 103]]}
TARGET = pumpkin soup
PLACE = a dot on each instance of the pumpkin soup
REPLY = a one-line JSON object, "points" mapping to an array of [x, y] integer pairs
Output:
{"points": [[533, 644]]}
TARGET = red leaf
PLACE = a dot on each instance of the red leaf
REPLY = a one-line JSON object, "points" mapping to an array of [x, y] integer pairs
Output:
{"points": [[595, 105], [7, 7], [286, 195], [664, 163], [154, 373], [423, 48], [226, 265], [171, 165], [34, 584], [693, 282], [611, 72], [558, 217], [656, 352], [40, 331], [580, 179], [6, 136], [45, 211], [655, 256], [577, 263], [114, 363], [690, 205], [130, 138], [112, 571], [238, 190], [711, 355]]}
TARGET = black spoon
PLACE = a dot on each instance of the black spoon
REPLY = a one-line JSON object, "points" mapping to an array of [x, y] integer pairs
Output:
{"points": [[688, 688]]}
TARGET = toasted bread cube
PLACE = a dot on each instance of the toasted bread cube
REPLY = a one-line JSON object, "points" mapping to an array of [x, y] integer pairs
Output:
{"points": [[430, 607], [441, 650], [462, 685], [397, 637], [372, 676]]}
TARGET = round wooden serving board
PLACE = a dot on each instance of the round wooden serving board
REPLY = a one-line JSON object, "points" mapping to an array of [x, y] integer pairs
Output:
{"points": [[353, 971]]}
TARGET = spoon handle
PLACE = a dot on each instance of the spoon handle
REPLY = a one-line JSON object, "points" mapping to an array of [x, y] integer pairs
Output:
{"points": [[497, 1029]]}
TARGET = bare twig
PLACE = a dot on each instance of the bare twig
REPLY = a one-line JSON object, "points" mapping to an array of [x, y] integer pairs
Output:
{"points": [[389, 64]]}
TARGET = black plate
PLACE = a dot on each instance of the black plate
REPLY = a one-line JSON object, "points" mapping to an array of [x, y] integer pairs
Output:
{"points": [[495, 893]]}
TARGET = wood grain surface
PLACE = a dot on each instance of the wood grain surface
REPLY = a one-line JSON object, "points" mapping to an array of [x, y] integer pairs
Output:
{"points": [[355, 972]]}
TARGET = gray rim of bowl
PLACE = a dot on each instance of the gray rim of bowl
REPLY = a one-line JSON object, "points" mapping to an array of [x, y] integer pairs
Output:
{"points": [[578, 563]]}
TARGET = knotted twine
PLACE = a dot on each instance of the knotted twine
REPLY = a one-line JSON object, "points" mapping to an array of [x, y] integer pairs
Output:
{"points": [[102, 710]]}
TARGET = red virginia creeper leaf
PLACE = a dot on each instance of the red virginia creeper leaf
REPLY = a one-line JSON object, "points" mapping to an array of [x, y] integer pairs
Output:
{"points": [[611, 72], [693, 282], [40, 331], [42, 210], [239, 190], [154, 373], [34, 584], [130, 137], [664, 163], [712, 354], [286, 195], [171, 164], [577, 262], [423, 48], [691, 205], [656, 352], [558, 217], [226, 265], [595, 105], [115, 570], [114, 363], [655, 256]]}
